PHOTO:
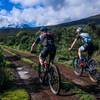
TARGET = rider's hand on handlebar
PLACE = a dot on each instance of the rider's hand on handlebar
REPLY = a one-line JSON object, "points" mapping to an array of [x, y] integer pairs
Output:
{"points": [[69, 49], [33, 51]]}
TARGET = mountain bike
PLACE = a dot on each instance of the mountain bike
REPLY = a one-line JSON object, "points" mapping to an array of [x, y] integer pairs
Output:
{"points": [[49, 74], [87, 65]]}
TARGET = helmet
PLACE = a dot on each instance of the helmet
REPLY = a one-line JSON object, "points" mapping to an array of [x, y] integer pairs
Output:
{"points": [[79, 29], [43, 29]]}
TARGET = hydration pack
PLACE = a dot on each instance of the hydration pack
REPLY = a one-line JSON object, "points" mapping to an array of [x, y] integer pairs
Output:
{"points": [[47, 39]]}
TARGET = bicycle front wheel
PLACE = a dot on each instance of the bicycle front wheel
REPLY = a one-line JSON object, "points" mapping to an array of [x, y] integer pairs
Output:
{"points": [[77, 69], [54, 79], [41, 73]]}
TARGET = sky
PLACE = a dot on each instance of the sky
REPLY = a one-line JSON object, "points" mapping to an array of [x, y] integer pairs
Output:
{"points": [[34, 13]]}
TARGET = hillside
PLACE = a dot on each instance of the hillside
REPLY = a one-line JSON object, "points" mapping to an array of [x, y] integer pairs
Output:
{"points": [[13, 31], [95, 19]]}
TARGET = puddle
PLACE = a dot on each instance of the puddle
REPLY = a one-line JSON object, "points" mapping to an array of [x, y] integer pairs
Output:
{"points": [[24, 74], [19, 68]]}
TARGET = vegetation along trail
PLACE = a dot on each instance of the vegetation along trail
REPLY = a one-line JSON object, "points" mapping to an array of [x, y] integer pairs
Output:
{"points": [[29, 78]]}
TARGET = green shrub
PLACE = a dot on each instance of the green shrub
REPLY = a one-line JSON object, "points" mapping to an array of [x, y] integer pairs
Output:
{"points": [[87, 97], [15, 94], [5, 73]]}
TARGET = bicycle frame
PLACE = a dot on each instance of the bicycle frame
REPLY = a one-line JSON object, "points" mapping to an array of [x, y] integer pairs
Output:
{"points": [[47, 63], [48, 76]]}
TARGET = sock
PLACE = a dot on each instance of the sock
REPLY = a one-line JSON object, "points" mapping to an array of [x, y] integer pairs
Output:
{"points": [[80, 58]]}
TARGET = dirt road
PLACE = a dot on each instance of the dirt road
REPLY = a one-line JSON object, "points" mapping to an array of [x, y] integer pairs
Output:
{"points": [[28, 78]]}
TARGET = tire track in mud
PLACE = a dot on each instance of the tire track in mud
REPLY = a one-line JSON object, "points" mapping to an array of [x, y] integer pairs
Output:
{"points": [[35, 90]]}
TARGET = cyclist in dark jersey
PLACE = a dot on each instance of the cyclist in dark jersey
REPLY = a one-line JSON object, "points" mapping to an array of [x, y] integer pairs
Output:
{"points": [[46, 39], [87, 43]]}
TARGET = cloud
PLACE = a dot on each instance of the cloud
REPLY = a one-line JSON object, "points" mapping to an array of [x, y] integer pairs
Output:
{"points": [[17, 17], [29, 3], [47, 12], [55, 4]]}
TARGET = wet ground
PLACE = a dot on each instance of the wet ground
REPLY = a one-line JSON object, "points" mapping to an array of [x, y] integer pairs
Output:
{"points": [[28, 78]]}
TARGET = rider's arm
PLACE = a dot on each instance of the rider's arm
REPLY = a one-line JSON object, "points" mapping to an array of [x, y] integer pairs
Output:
{"points": [[77, 37], [73, 43], [34, 43]]}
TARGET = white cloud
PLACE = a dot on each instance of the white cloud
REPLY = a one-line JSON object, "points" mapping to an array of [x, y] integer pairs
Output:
{"points": [[53, 12], [11, 18], [16, 17], [56, 4]]}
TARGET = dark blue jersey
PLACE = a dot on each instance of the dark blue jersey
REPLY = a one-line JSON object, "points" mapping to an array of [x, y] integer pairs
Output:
{"points": [[46, 39]]}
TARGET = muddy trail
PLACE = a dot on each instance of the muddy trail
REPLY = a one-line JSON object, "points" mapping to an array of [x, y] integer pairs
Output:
{"points": [[28, 78]]}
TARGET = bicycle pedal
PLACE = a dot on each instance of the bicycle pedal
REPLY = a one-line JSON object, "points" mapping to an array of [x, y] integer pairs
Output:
{"points": [[82, 64]]}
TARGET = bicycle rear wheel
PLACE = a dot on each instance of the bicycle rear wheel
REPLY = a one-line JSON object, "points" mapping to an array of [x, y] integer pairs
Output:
{"points": [[54, 79], [77, 69]]}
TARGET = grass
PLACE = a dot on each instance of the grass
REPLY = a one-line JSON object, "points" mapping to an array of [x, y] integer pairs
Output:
{"points": [[69, 86], [87, 97], [8, 63], [84, 95], [12, 53], [27, 60], [15, 94], [34, 65], [6, 75], [15, 50], [11, 92], [66, 63]]}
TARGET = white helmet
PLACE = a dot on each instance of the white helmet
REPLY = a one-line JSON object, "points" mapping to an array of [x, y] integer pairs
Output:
{"points": [[79, 29]]}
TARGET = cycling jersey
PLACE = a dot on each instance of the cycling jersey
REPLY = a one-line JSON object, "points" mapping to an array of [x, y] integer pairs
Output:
{"points": [[46, 39], [49, 48], [86, 38], [88, 45]]}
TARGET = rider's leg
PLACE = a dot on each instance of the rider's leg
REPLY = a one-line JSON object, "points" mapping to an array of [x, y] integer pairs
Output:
{"points": [[79, 53], [80, 50], [43, 55], [81, 59], [41, 60], [90, 50], [52, 53]]}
